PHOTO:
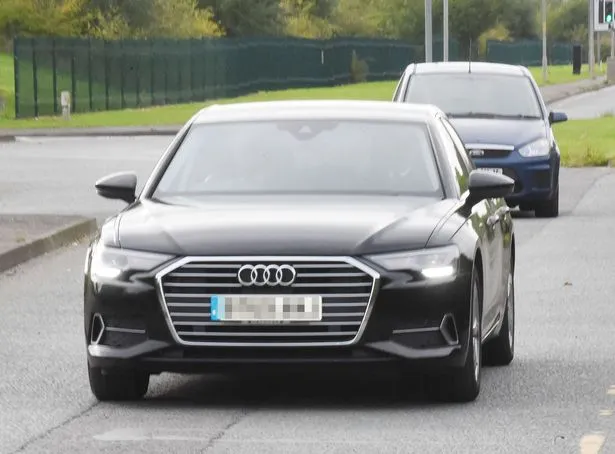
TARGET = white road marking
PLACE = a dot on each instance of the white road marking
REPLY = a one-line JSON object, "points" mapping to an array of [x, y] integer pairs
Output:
{"points": [[591, 443]]}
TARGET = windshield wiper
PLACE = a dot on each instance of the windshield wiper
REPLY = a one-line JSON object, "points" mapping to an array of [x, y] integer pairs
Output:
{"points": [[491, 115], [472, 115]]}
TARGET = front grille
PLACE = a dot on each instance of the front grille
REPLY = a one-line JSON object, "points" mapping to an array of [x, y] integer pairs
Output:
{"points": [[512, 174], [346, 287], [491, 153]]}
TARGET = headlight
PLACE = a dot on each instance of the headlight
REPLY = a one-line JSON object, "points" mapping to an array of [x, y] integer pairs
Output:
{"points": [[111, 263], [432, 263], [540, 147]]}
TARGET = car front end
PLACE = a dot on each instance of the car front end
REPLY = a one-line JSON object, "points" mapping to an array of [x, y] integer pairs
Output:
{"points": [[339, 251], [533, 165], [157, 313]]}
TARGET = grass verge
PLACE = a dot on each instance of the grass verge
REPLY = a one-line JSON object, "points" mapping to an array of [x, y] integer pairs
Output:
{"points": [[179, 113], [586, 143], [562, 74]]}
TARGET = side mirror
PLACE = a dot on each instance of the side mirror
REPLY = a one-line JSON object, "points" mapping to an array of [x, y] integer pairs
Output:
{"points": [[488, 185], [119, 186], [557, 117]]}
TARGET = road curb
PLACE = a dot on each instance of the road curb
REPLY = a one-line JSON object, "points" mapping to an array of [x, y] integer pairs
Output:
{"points": [[7, 138], [579, 91], [123, 131], [47, 243]]}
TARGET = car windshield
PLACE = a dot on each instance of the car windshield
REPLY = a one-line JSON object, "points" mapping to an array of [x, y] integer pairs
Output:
{"points": [[476, 95], [303, 157]]}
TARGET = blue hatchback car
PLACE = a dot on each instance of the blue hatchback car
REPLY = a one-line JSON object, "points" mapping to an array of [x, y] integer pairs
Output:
{"points": [[499, 113]]}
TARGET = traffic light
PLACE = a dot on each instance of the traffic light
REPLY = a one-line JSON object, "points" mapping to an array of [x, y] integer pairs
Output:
{"points": [[605, 12]]}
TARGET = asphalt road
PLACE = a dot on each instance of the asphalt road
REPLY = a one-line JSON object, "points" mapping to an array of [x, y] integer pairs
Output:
{"points": [[57, 175], [588, 105], [553, 398]]}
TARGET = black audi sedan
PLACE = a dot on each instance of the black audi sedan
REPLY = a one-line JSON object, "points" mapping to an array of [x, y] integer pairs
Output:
{"points": [[304, 233]]}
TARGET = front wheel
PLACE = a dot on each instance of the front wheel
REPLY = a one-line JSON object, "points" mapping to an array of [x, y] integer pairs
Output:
{"points": [[549, 208], [500, 351], [463, 384], [118, 385]]}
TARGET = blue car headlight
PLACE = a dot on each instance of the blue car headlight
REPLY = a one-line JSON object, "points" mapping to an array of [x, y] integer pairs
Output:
{"points": [[112, 263], [432, 263], [540, 147]]}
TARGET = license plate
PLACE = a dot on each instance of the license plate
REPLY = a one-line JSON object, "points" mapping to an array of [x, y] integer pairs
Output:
{"points": [[491, 169], [266, 308]]}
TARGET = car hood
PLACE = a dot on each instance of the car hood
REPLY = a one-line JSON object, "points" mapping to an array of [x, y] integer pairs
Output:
{"points": [[282, 225], [497, 131]]}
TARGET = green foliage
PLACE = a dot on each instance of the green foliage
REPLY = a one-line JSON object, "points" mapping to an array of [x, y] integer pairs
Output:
{"points": [[402, 19], [405, 19], [105, 18], [303, 18], [247, 18], [38, 17], [471, 19], [499, 33], [357, 17], [180, 19], [568, 21], [517, 16]]}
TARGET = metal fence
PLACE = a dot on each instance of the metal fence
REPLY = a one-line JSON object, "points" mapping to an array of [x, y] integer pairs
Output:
{"points": [[110, 75], [528, 52], [107, 75]]}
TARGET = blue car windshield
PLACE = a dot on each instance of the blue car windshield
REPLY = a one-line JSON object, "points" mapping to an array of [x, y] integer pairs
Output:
{"points": [[476, 95]]}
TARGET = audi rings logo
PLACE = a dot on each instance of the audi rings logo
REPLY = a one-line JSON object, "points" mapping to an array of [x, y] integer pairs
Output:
{"points": [[261, 275]]}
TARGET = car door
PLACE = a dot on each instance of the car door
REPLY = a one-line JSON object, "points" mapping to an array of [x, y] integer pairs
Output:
{"points": [[486, 213]]}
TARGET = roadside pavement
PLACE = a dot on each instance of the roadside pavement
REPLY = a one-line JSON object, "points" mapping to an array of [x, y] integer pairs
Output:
{"points": [[557, 92], [550, 93], [23, 237]]}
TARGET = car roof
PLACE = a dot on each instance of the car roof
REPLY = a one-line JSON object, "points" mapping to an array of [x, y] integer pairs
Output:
{"points": [[479, 67], [317, 109]]}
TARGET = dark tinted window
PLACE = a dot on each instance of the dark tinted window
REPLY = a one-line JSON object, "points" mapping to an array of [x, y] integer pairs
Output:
{"points": [[467, 94], [461, 150], [452, 155], [294, 156]]}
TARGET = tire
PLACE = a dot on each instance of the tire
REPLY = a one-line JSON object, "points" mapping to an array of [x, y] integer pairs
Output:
{"points": [[118, 385], [550, 208], [463, 384], [525, 207], [500, 350]]}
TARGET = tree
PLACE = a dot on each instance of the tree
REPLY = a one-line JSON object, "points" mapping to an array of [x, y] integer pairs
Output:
{"points": [[518, 16], [154, 18], [247, 18], [568, 21], [470, 19], [307, 18], [357, 17]]}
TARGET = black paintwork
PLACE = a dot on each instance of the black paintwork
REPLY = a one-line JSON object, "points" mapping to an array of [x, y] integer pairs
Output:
{"points": [[472, 215]]}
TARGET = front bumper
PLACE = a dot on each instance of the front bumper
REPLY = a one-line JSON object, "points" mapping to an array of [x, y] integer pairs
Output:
{"points": [[407, 322], [535, 178]]}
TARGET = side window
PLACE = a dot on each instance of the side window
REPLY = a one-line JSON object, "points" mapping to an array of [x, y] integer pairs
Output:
{"points": [[461, 149], [455, 160], [397, 93]]}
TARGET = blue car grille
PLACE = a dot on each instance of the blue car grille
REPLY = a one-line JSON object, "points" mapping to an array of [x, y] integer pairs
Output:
{"points": [[496, 153], [512, 174]]}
